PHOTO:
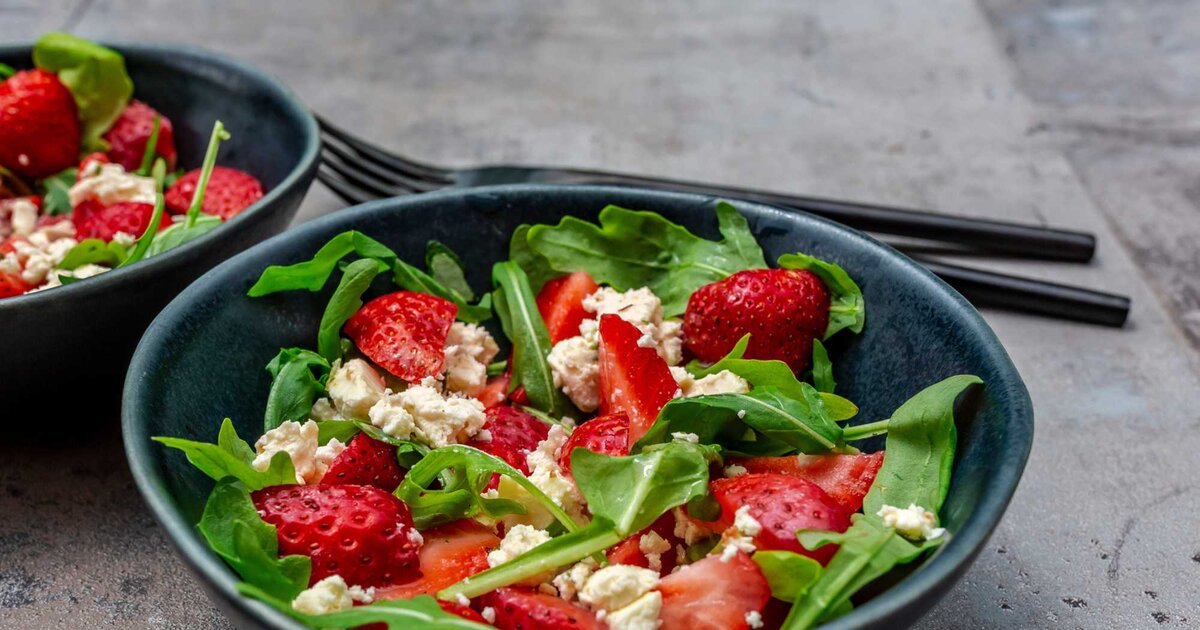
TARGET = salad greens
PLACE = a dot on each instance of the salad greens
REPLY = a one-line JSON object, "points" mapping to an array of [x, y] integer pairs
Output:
{"points": [[57, 199], [346, 301], [446, 267], [789, 574], [95, 76], [294, 387], [419, 613], [822, 369], [519, 317], [231, 456], [847, 308]]}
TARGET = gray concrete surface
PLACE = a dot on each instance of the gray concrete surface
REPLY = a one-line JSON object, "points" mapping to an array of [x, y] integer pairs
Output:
{"points": [[1074, 113]]}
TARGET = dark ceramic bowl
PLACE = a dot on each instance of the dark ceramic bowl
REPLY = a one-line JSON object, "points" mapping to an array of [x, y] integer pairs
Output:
{"points": [[202, 359], [93, 326]]}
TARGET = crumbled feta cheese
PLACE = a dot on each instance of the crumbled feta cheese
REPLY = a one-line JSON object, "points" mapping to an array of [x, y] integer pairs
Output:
{"points": [[685, 529], [653, 547], [643, 309], [124, 238], [754, 619], [616, 586], [686, 437], [734, 544], [483, 436], [519, 540], [547, 588], [24, 216], [331, 595], [670, 341], [723, 382], [914, 522], [110, 184], [642, 614], [570, 582], [745, 524], [462, 600], [414, 536], [489, 614], [10, 264], [299, 441], [741, 414], [734, 470], [469, 349], [647, 341], [421, 413], [354, 387], [323, 409], [575, 365]]}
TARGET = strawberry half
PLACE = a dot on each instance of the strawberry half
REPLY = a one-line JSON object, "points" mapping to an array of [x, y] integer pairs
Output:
{"points": [[39, 125], [95, 220], [513, 434], [229, 192], [404, 332], [561, 304], [846, 478], [783, 505], [634, 380], [524, 609], [782, 309], [129, 133], [451, 552], [12, 285], [366, 462], [361, 533], [629, 551], [496, 390], [713, 594], [607, 435]]}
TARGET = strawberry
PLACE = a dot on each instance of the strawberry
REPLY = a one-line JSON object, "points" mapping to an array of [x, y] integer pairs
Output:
{"points": [[12, 285], [95, 220], [846, 478], [39, 125], [633, 380], [451, 552], [496, 391], [129, 133], [524, 609], [229, 192], [361, 533], [519, 397], [88, 160], [783, 505], [455, 608], [629, 551], [713, 594], [404, 332], [513, 434], [366, 462], [782, 309], [607, 435], [561, 304]]}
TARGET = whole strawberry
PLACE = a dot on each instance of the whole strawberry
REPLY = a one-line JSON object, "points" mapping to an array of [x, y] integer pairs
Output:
{"points": [[229, 192], [39, 125], [361, 533], [128, 135], [368, 462], [783, 310]]}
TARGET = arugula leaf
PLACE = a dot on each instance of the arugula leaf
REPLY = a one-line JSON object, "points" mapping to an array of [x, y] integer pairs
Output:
{"points": [[919, 453], [177, 234], [294, 387], [535, 265], [522, 323], [464, 473], [57, 199], [6, 71], [419, 613], [206, 169], [847, 309], [95, 76], [345, 301], [343, 430], [447, 268], [234, 530], [147, 237], [631, 249], [822, 369], [94, 251], [231, 457], [788, 573]]}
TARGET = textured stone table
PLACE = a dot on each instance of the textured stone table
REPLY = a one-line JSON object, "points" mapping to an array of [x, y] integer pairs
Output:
{"points": [[1078, 113]]}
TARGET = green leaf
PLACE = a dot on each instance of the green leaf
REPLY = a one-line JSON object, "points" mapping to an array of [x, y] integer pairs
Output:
{"points": [[847, 309], [920, 447], [234, 530], [96, 252], [464, 473], [57, 199], [789, 574], [151, 147], [447, 268], [96, 77], [632, 492], [177, 234], [342, 430], [294, 386], [6, 71], [822, 369], [345, 301], [147, 238], [522, 323], [231, 457], [535, 265], [206, 169], [419, 613], [631, 249]]}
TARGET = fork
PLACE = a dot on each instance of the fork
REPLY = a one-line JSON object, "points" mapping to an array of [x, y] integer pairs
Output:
{"points": [[359, 171]]}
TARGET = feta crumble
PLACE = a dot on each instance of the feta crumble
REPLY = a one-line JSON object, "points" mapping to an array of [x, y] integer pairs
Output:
{"points": [[733, 470], [643, 309], [519, 540], [469, 349], [914, 522], [653, 547], [575, 366], [299, 441], [109, 184], [745, 524], [642, 614], [354, 387], [723, 382], [617, 586], [685, 437], [550, 478], [331, 595], [422, 414], [489, 614], [570, 582], [754, 619]]}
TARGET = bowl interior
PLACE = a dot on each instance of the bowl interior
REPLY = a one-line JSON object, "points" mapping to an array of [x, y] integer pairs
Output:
{"points": [[203, 358]]}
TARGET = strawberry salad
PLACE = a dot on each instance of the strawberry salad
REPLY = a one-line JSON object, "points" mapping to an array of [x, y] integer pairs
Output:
{"points": [[88, 175], [635, 428]]}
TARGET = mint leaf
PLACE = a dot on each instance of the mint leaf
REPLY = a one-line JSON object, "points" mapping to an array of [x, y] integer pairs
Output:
{"points": [[789, 574], [419, 613], [447, 268], [57, 199], [294, 386], [96, 77], [847, 308], [345, 301], [631, 249], [522, 323], [231, 457]]}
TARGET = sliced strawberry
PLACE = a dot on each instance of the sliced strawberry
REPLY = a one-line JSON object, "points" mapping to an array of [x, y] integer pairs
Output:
{"points": [[524, 609], [455, 608], [783, 310], [629, 551], [519, 397], [634, 380], [95, 220], [561, 304], [451, 552], [129, 133], [361, 533], [607, 435], [39, 125], [513, 434], [229, 192], [12, 285], [782, 505], [713, 594], [495, 392], [404, 332], [366, 462], [846, 478]]}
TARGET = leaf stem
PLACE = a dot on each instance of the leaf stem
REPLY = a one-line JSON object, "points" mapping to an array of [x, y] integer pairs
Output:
{"points": [[864, 431], [151, 148], [210, 161]]}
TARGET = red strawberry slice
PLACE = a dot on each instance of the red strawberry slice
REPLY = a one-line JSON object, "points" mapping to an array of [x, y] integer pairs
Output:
{"points": [[95, 220], [129, 133], [496, 391], [455, 608], [629, 551], [12, 285], [39, 125], [524, 609], [451, 552], [229, 192], [361, 533], [404, 332], [366, 462], [783, 505], [513, 434], [633, 380], [846, 478], [607, 435], [561, 304], [713, 594], [782, 309]]}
